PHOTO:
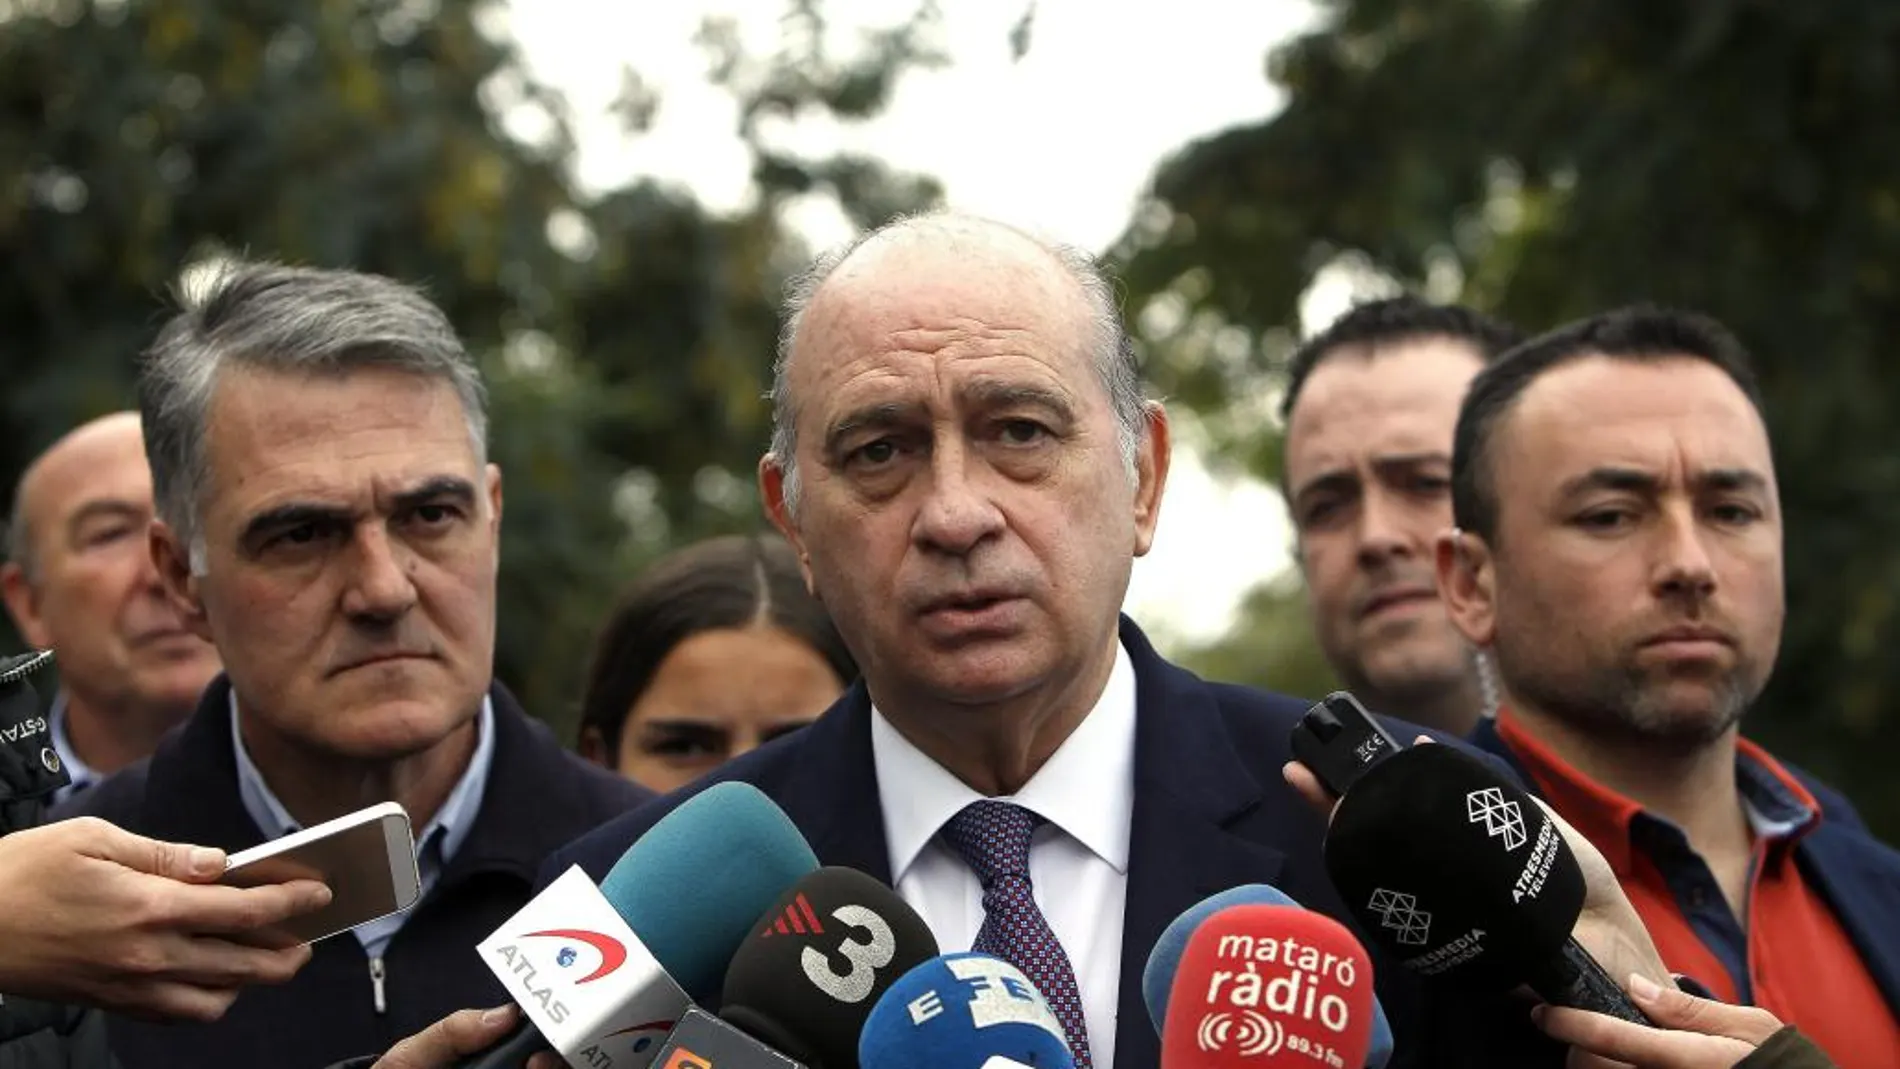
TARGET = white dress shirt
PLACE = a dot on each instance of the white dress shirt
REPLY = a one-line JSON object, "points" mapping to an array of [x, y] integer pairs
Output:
{"points": [[1078, 861]]}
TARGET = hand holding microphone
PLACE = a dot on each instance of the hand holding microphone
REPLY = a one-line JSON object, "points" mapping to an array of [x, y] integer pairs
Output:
{"points": [[1430, 822], [1608, 927], [1463, 875], [1692, 1033]]}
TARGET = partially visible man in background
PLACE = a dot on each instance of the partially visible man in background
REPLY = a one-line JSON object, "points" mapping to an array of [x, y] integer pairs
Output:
{"points": [[79, 581], [1370, 406], [328, 518], [1619, 552]]}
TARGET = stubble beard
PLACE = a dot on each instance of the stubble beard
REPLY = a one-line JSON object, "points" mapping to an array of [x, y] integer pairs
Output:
{"points": [[1633, 704]]}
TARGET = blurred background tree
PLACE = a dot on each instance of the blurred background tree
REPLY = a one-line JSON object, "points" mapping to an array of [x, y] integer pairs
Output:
{"points": [[1549, 159], [1538, 158], [625, 336]]}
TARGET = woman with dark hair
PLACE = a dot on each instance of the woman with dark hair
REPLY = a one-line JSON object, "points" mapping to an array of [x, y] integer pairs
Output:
{"points": [[715, 649]]}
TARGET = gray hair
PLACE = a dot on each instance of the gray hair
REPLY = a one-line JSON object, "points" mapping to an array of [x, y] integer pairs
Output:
{"points": [[288, 320], [1113, 350]]}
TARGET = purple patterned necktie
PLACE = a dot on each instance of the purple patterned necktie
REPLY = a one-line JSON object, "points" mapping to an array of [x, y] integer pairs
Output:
{"points": [[993, 839]]}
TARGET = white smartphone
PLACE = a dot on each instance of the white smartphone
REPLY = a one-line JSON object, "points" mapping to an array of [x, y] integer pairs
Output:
{"points": [[368, 859]]}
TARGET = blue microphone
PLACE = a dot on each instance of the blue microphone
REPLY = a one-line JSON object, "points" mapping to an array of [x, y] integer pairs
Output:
{"points": [[691, 890], [959, 1011], [693, 885], [1157, 978]]}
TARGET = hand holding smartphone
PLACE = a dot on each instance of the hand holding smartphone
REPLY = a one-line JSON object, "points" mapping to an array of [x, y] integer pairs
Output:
{"points": [[367, 858]]}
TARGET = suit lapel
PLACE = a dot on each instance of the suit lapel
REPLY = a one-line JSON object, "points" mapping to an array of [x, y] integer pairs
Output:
{"points": [[1190, 788], [831, 791]]}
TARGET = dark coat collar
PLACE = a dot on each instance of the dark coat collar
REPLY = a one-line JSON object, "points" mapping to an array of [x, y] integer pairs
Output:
{"points": [[537, 793]]}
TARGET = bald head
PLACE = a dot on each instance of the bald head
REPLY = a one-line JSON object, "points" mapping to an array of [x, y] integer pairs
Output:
{"points": [[81, 582], [110, 443], [945, 264]]}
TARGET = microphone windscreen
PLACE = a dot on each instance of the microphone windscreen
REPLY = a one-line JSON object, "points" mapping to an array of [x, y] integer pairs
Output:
{"points": [[815, 963], [1164, 961], [1456, 870], [1269, 987], [960, 1011], [1157, 976], [693, 884]]}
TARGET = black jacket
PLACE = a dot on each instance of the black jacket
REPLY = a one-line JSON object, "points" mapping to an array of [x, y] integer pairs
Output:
{"points": [[36, 1035], [538, 798]]}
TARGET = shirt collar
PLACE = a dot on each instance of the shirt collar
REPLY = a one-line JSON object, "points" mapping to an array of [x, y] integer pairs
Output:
{"points": [[79, 774], [1777, 806], [1086, 788], [452, 821]]}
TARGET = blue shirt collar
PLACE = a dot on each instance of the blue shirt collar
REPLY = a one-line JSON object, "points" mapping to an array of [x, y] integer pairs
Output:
{"points": [[453, 820], [79, 774], [436, 843], [1773, 808]]}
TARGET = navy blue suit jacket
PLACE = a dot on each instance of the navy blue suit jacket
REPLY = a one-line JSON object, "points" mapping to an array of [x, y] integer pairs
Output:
{"points": [[1857, 875], [1211, 812]]}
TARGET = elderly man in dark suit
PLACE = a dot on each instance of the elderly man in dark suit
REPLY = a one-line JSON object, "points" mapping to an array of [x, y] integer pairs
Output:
{"points": [[966, 464]]}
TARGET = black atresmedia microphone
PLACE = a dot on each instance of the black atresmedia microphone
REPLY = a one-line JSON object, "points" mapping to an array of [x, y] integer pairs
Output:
{"points": [[1466, 879]]}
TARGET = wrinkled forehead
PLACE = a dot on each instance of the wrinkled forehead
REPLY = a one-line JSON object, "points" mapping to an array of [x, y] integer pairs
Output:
{"points": [[363, 425]]}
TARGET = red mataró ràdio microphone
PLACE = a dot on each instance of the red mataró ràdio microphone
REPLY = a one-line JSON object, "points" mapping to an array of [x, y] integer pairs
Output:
{"points": [[1269, 987]]}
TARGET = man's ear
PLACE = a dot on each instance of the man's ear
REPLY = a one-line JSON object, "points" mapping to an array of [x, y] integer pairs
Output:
{"points": [[1151, 475], [172, 557], [1467, 583], [23, 604], [772, 492], [491, 475]]}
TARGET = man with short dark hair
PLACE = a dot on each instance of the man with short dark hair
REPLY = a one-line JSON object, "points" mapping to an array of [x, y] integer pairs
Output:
{"points": [[1370, 406], [1619, 554], [329, 520], [79, 580]]}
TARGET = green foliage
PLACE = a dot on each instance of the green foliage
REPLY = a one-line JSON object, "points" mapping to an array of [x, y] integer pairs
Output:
{"points": [[627, 338], [1551, 158], [1270, 645]]}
